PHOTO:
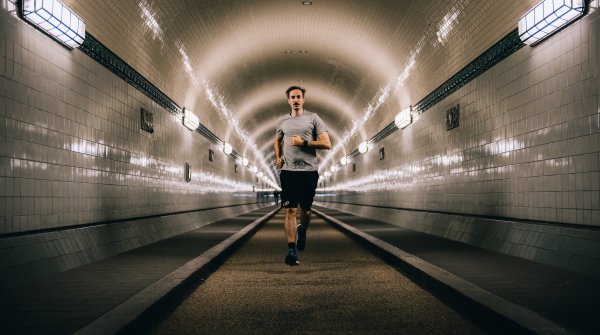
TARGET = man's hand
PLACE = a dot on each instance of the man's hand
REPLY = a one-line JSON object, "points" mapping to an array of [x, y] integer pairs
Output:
{"points": [[296, 140], [279, 163]]}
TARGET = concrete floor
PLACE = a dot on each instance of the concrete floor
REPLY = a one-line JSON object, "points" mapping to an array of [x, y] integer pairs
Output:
{"points": [[339, 287]]}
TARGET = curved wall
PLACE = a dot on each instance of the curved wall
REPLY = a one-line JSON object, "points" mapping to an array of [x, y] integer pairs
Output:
{"points": [[519, 175], [72, 151], [527, 146]]}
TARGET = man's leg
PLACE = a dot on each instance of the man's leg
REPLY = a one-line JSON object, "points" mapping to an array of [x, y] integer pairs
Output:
{"points": [[289, 225], [310, 181], [301, 230], [305, 217]]}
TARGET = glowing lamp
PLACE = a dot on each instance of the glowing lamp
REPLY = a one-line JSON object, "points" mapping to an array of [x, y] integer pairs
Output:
{"points": [[244, 161], [344, 160], [403, 118], [190, 120], [363, 147], [227, 149], [56, 20], [547, 17]]}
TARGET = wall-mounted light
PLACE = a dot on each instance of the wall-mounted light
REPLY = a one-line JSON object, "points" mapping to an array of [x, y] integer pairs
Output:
{"points": [[254, 169], [56, 20], [344, 160], [244, 161], [227, 149], [547, 17], [190, 120], [363, 147], [403, 118]]}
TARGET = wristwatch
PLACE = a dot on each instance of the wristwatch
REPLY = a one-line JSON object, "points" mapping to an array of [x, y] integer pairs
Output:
{"points": [[305, 144]]}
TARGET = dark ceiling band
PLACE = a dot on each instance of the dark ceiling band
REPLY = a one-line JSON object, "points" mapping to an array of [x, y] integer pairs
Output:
{"points": [[492, 56], [499, 51], [101, 54], [98, 52]]}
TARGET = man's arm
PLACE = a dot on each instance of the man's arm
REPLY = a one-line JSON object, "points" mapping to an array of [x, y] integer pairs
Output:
{"points": [[322, 143], [277, 147]]}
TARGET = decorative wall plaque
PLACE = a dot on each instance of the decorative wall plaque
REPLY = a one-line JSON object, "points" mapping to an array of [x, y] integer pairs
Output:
{"points": [[147, 121], [381, 154], [211, 155], [452, 117], [188, 172]]}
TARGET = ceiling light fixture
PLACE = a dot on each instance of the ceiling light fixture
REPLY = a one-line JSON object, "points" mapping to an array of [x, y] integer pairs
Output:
{"points": [[227, 149], [220, 104], [371, 109], [363, 147], [56, 20], [307, 3], [190, 120], [403, 118], [547, 17]]}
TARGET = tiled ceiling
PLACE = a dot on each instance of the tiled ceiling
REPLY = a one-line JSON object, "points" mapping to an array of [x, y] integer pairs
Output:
{"points": [[233, 59]]}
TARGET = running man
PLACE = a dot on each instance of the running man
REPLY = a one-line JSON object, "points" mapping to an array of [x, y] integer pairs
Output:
{"points": [[298, 135]]}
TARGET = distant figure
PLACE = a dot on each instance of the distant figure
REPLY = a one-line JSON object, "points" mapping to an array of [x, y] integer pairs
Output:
{"points": [[276, 196], [297, 136]]}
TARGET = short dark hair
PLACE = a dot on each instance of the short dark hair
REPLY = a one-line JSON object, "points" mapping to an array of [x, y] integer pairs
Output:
{"points": [[291, 88]]}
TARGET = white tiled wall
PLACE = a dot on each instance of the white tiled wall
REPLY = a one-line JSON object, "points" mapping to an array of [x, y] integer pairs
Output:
{"points": [[528, 144], [72, 150]]}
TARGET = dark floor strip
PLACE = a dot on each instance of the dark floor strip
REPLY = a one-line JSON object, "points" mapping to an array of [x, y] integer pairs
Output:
{"points": [[563, 297], [65, 302]]}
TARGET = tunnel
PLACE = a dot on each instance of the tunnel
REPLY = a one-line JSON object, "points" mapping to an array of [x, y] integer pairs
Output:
{"points": [[139, 177]]}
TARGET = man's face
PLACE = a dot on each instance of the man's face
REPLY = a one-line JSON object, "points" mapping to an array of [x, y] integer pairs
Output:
{"points": [[296, 99]]}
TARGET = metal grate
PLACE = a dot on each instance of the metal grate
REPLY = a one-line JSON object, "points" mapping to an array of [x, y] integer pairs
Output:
{"points": [[499, 51], [383, 133], [93, 48], [98, 52]]}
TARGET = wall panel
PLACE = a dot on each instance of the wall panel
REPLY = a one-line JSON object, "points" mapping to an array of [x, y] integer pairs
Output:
{"points": [[527, 146], [73, 151]]}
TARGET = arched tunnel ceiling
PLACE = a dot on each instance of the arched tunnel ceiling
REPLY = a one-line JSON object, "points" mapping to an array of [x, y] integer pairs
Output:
{"points": [[234, 58]]}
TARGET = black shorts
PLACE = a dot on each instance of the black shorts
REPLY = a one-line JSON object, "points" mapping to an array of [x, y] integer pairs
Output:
{"points": [[298, 188]]}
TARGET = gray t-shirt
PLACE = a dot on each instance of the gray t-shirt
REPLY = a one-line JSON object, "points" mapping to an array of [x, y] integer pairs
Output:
{"points": [[308, 126]]}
